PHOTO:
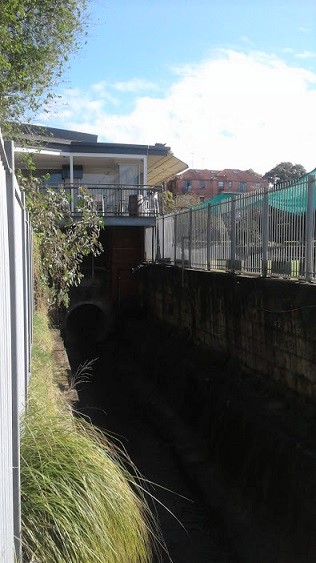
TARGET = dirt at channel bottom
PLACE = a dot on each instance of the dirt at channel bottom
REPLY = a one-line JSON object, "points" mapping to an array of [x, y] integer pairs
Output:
{"points": [[240, 449]]}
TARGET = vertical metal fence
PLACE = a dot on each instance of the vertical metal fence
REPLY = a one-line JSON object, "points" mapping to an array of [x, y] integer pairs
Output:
{"points": [[268, 232], [16, 329]]}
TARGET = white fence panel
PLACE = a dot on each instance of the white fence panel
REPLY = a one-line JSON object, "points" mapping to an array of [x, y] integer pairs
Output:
{"points": [[6, 474], [16, 327]]}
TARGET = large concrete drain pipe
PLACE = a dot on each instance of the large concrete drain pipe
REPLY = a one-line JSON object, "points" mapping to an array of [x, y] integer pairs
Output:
{"points": [[87, 322]]}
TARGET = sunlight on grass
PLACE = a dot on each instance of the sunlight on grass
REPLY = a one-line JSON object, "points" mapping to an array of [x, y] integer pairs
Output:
{"points": [[79, 503]]}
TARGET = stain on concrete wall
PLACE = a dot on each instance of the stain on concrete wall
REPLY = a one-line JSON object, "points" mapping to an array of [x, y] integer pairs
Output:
{"points": [[266, 326]]}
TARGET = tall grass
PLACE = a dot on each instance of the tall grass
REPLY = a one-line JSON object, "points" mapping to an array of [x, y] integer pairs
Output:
{"points": [[79, 503]]}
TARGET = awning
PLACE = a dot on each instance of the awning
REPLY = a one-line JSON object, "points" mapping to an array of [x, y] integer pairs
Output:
{"points": [[162, 168]]}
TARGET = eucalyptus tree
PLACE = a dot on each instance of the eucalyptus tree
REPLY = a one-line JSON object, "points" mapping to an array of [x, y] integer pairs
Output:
{"points": [[36, 38]]}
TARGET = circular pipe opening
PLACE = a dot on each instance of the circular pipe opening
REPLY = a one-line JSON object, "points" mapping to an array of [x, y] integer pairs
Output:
{"points": [[87, 322]]}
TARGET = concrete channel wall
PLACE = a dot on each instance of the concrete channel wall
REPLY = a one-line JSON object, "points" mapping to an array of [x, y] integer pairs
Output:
{"points": [[266, 326], [247, 391]]}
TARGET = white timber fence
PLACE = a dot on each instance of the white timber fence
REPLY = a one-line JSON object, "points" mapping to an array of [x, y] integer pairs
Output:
{"points": [[268, 232], [16, 309]]}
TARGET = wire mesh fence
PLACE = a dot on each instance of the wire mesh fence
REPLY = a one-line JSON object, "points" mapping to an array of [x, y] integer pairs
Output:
{"points": [[268, 232]]}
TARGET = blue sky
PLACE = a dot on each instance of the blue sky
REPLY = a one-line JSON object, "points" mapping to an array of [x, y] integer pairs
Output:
{"points": [[226, 84]]}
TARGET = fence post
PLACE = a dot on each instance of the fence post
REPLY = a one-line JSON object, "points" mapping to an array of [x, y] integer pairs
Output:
{"points": [[190, 236], [31, 285], [175, 239], [233, 236], [309, 230], [208, 238], [163, 237], [153, 244], [25, 293], [265, 231]]}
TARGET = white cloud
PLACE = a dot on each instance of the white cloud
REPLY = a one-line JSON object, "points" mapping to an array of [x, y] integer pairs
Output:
{"points": [[288, 50], [136, 85], [234, 110], [306, 55]]}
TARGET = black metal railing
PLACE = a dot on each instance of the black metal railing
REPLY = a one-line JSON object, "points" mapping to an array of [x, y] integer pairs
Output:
{"points": [[115, 199], [267, 232]]}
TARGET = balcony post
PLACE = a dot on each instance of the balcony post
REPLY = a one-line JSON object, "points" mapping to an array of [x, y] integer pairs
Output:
{"points": [[145, 171], [71, 180]]}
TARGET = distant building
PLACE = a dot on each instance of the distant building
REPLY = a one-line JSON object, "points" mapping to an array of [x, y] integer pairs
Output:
{"points": [[209, 183]]}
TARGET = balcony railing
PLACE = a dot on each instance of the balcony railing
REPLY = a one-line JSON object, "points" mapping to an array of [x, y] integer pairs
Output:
{"points": [[116, 200]]}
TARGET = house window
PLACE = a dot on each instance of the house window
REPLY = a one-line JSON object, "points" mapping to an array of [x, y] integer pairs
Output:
{"points": [[186, 186], [229, 185], [54, 177], [77, 172], [242, 186], [202, 184], [220, 186], [129, 174]]}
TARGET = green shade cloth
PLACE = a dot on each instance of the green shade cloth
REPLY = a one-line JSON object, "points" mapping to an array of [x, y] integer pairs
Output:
{"points": [[289, 200], [294, 198]]}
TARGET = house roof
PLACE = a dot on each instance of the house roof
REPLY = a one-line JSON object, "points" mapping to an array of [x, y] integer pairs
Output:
{"points": [[233, 175], [197, 174], [52, 144], [44, 134], [229, 174]]}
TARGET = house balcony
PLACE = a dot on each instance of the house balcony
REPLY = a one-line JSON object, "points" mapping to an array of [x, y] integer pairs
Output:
{"points": [[118, 204]]}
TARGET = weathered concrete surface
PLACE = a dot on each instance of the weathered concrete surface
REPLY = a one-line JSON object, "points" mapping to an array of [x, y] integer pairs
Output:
{"points": [[265, 326], [257, 414], [247, 445]]}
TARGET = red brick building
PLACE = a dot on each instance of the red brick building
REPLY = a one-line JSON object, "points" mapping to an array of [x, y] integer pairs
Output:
{"points": [[208, 183]]}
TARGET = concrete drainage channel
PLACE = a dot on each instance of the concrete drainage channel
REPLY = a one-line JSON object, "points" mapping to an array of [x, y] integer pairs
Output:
{"points": [[252, 537], [248, 448]]}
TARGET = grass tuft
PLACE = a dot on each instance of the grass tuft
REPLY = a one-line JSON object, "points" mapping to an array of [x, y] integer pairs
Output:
{"points": [[79, 503]]}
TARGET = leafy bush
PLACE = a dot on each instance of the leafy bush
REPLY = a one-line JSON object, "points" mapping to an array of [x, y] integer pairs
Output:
{"points": [[62, 241]]}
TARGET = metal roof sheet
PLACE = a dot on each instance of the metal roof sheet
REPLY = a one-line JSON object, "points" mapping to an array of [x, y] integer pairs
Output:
{"points": [[162, 164]]}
